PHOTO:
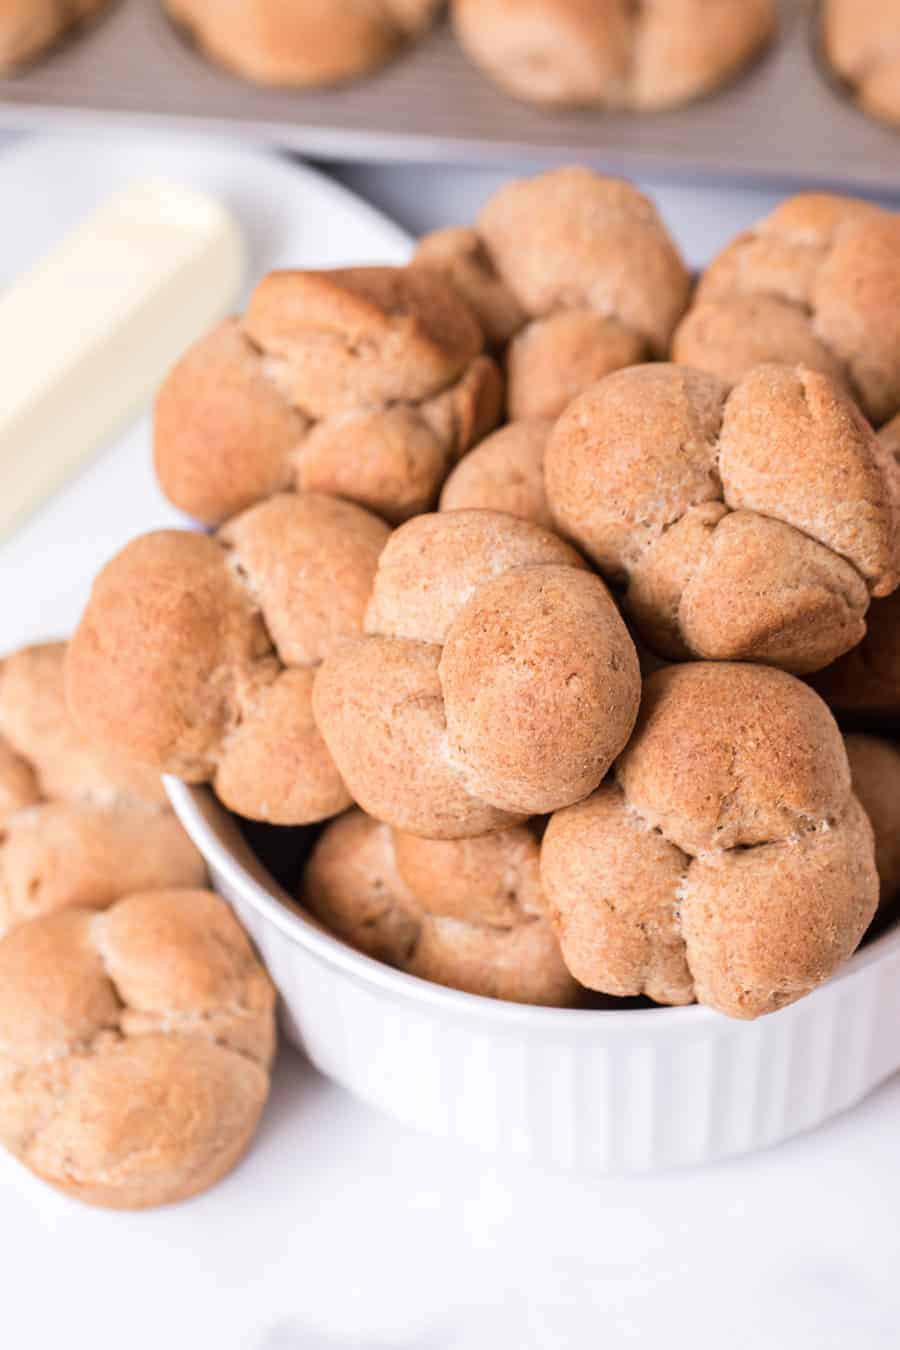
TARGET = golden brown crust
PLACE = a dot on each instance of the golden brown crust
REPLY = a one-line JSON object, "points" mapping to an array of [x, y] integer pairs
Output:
{"points": [[504, 473], [575, 271], [552, 360], [817, 282], [612, 888], [153, 665], [302, 43], [860, 40], [196, 654], [18, 784], [433, 566], [66, 853], [365, 382], [78, 826], [730, 863], [541, 688], [498, 680], [380, 708], [709, 783], [866, 681], [29, 27], [459, 254], [134, 1047], [746, 525], [875, 769], [37, 724], [468, 914], [218, 396], [360, 336], [573, 239], [610, 52]]}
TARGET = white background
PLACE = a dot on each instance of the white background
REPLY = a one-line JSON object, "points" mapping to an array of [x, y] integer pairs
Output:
{"points": [[341, 1229]]}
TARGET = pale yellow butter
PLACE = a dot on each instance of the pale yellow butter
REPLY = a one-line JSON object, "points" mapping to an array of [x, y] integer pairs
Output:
{"points": [[88, 333]]}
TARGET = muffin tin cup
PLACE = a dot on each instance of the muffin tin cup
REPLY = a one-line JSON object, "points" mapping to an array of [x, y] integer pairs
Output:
{"points": [[785, 118], [591, 1091]]}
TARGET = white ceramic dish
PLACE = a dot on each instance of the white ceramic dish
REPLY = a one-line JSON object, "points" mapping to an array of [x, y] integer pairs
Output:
{"points": [[593, 1091]]}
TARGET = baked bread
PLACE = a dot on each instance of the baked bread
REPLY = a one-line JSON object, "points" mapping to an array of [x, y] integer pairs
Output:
{"points": [[866, 682], [575, 272], [613, 53], [463, 913], [815, 282], [497, 681], [861, 41], [29, 27], [77, 826], [196, 654], [366, 383], [303, 43], [504, 473], [752, 524], [135, 1047], [875, 769], [729, 861]]}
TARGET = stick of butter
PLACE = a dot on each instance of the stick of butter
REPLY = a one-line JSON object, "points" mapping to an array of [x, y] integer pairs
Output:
{"points": [[88, 333]]}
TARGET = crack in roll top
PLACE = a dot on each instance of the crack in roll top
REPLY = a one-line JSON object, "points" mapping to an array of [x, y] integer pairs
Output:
{"points": [[497, 679], [79, 826], [465, 913], [135, 1047], [574, 274], [751, 523], [367, 383], [817, 283], [728, 861], [197, 654]]}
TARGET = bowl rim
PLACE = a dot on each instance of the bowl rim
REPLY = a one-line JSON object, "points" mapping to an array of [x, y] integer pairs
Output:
{"points": [[275, 906]]}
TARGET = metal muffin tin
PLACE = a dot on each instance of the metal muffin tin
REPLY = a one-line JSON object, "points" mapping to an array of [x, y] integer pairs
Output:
{"points": [[785, 119]]}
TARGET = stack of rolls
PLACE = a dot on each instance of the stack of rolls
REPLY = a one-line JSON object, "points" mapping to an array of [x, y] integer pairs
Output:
{"points": [[136, 1023], [552, 736]]}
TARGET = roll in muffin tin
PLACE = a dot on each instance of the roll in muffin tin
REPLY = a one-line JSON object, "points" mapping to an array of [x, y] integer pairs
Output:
{"points": [[785, 119]]}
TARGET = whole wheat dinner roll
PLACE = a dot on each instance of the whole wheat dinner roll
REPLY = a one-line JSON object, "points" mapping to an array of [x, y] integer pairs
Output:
{"points": [[875, 769], [504, 473], [466, 913], [861, 41], [497, 679], [29, 27], [866, 681], [729, 862], [366, 383], [865, 684], [613, 53], [77, 825], [575, 271], [752, 524], [197, 654], [135, 1047], [815, 282], [302, 43]]}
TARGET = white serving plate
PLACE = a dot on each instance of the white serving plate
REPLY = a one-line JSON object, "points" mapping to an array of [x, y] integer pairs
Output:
{"points": [[574, 1089]]}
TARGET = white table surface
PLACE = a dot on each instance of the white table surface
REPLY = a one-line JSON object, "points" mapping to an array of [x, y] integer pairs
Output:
{"points": [[343, 1230]]}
